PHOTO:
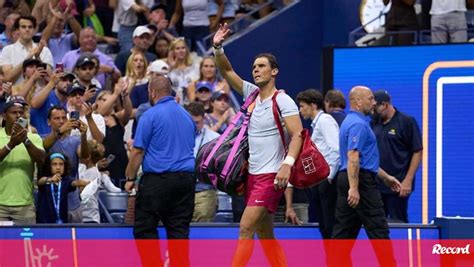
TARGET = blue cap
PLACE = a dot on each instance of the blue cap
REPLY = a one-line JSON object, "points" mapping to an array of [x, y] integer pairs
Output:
{"points": [[204, 86]]}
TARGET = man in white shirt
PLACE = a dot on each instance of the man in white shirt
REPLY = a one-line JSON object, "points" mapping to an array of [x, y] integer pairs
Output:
{"points": [[448, 21], [326, 137], [270, 162], [12, 56]]}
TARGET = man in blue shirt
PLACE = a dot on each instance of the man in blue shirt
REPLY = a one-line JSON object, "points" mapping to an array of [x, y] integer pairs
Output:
{"points": [[164, 146], [359, 201], [53, 94]]}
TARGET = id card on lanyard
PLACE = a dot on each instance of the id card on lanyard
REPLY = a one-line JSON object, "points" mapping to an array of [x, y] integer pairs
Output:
{"points": [[56, 202]]}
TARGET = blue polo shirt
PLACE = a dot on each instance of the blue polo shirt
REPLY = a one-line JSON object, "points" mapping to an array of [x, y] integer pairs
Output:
{"points": [[356, 134], [39, 117], [166, 133]]}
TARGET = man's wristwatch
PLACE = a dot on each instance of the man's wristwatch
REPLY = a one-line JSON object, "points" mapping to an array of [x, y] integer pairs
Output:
{"points": [[217, 46], [130, 179]]}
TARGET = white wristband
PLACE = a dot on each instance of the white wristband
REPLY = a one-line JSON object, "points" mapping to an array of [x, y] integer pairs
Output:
{"points": [[218, 51], [289, 160]]}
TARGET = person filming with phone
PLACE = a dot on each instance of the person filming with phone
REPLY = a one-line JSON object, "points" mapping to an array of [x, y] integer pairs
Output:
{"points": [[74, 148], [20, 150], [79, 109]]}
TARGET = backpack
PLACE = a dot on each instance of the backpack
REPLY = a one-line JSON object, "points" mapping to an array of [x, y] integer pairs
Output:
{"points": [[223, 162], [310, 167]]}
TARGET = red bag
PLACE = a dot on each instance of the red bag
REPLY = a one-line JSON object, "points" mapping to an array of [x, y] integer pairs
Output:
{"points": [[310, 167]]}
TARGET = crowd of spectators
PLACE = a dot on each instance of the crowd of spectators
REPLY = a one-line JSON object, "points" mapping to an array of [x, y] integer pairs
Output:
{"points": [[74, 79]]}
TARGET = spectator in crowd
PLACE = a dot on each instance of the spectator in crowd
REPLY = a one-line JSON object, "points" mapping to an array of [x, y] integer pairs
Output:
{"points": [[106, 12], [115, 121], [136, 81], [448, 21], [126, 14], [53, 94], [325, 136], [85, 70], [221, 114], [205, 198], [88, 43], [207, 75], [9, 35], [269, 170], [401, 18], [5, 92], [195, 20], [183, 70], [157, 18], [399, 137], [203, 94], [21, 7], [335, 104], [89, 171], [74, 148], [76, 103], [139, 96], [34, 78], [359, 200], [20, 151], [142, 40], [161, 48], [53, 190], [13, 55], [135, 75], [227, 16], [165, 134], [59, 41], [215, 12]]}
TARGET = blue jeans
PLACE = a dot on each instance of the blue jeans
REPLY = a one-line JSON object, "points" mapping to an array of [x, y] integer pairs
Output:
{"points": [[194, 34], [125, 37]]}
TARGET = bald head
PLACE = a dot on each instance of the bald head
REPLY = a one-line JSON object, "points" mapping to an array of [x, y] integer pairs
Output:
{"points": [[361, 99], [158, 87]]}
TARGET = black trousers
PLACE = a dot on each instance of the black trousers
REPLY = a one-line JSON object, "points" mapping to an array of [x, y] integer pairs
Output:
{"points": [[325, 196], [167, 197], [396, 208], [369, 212]]}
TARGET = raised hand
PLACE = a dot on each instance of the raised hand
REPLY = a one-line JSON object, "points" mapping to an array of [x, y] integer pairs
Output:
{"points": [[221, 34]]}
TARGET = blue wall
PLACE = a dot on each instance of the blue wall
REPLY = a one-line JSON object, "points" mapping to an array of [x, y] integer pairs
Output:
{"points": [[296, 38], [400, 70]]}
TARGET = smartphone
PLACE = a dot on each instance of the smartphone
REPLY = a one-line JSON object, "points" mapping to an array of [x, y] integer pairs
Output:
{"points": [[74, 115], [22, 122], [110, 158], [60, 66], [42, 65]]}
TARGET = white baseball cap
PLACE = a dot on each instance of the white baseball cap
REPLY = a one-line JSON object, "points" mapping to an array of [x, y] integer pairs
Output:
{"points": [[159, 66], [141, 30]]}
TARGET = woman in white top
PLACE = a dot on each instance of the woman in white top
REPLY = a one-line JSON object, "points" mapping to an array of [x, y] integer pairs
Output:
{"points": [[183, 70], [208, 73]]}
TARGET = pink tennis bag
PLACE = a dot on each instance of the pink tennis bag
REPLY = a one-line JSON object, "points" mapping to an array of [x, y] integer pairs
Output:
{"points": [[223, 162]]}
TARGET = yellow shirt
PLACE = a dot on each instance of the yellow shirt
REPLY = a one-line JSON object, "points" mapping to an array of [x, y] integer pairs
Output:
{"points": [[16, 172]]}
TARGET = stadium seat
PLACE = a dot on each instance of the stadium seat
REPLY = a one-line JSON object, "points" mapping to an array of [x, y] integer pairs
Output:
{"points": [[115, 205]]}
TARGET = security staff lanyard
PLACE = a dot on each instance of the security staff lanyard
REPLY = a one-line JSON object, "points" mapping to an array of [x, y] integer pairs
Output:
{"points": [[56, 201]]}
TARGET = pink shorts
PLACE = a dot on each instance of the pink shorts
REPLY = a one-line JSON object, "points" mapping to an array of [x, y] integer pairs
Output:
{"points": [[261, 192]]}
